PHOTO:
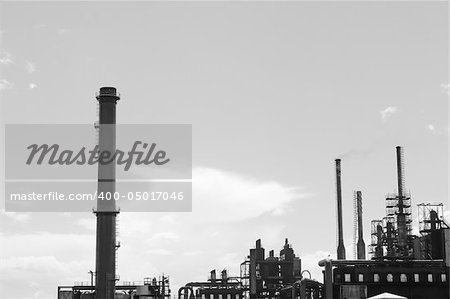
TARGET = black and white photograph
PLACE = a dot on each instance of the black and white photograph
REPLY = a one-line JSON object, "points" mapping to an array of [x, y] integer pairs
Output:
{"points": [[224, 149]]}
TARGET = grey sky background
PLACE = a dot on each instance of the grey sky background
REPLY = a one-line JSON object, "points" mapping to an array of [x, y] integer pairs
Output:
{"points": [[274, 91]]}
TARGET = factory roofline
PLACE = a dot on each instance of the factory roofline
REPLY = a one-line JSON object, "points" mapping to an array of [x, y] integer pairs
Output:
{"points": [[379, 262]]}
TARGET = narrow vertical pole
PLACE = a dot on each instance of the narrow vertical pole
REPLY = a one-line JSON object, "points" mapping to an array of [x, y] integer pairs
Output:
{"points": [[340, 247]]}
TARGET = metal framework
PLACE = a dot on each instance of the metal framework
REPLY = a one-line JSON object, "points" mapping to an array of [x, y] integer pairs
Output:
{"points": [[431, 217], [154, 288]]}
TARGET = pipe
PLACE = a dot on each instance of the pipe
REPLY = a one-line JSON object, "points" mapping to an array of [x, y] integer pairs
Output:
{"points": [[447, 247], [183, 292], [303, 285], [328, 277], [340, 247], [106, 213], [360, 246], [224, 275], [92, 277]]}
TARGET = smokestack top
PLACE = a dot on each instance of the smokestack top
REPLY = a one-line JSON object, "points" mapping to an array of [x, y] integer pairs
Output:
{"points": [[107, 94], [108, 91], [338, 166]]}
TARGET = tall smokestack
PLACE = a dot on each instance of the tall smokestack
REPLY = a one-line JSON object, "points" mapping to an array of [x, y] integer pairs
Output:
{"points": [[106, 213], [340, 247], [401, 217], [360, 246]]}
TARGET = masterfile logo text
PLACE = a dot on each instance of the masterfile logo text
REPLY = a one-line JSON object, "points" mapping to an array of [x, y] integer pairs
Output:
{"points": [[52, 154]]}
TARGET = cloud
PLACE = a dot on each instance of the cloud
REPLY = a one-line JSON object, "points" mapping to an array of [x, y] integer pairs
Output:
{"points": [[229, 259], [431, 128], [88, 224], [160, 251], [388, 112], [217, 194], [194, 252], [32, 85], [6, 58], [17, 217], [66, 245], [168, 219], [62, 31], [445, 88], [164, 236], [359, 153], [44, 259], [30, 67], [32, 264], [40, 273], [5, 84]]}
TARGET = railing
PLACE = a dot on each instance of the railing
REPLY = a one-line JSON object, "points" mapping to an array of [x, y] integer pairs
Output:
{"points": [[98, 94]]}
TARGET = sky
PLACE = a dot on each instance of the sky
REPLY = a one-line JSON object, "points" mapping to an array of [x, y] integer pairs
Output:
{"points": [[275, 91]]}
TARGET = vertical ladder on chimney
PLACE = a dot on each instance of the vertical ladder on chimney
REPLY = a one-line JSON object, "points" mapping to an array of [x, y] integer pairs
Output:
{"points": [[355, 225], [97, 128], [117, 247], [402, 167]]}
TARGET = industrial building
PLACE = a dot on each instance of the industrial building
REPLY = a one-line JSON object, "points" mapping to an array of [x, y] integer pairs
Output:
{"points": [[224, 287], [155, 288], [260, 277], [403, 264]]}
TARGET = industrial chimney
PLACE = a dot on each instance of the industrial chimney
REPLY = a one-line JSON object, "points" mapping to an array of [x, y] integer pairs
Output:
{"points": [[401, 215], [106, 212], [340, 245], [360, 245]]}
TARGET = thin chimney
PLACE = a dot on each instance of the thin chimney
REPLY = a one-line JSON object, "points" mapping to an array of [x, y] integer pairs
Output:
{"points": [[360, 246], [340, 247]]}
